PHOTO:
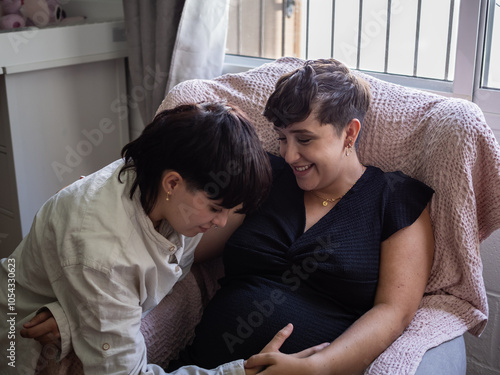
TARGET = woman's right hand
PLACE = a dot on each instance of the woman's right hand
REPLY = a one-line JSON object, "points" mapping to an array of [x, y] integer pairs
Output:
{"points": [[278, 340]]}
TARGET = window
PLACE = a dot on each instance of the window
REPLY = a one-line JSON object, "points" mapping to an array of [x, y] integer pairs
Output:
{"points": [[264, 28], [413, 37], [419, 43], [491, 72]]}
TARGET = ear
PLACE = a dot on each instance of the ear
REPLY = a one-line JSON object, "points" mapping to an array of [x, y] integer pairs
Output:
{"points": [[170, 181], [352, 129]]}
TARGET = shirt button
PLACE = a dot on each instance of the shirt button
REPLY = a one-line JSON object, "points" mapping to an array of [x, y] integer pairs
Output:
{"points": [[106, 346], [172, 248], [177, 268]]}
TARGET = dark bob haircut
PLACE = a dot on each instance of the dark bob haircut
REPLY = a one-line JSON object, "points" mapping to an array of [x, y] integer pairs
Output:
{"points": [[325, 87], [213, 146]]}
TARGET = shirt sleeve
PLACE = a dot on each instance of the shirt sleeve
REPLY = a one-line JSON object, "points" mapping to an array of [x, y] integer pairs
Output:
{"points": [[404, 200], [62, 325], [104, 318], [231, 368]]}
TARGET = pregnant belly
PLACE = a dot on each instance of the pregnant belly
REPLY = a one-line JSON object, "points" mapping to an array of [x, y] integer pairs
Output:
{"points": [[245, 315]]}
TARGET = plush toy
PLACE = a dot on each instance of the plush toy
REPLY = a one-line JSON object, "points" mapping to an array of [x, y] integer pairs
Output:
{"points": [[11, 15], [39, 13], [42, 12]]}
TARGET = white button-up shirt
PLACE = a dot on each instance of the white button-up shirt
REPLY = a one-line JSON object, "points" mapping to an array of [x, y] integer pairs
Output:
{"points": [[95, 260]]}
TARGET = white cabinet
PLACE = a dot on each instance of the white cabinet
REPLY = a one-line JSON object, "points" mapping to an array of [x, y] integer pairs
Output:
{"points": [[62, 115]]}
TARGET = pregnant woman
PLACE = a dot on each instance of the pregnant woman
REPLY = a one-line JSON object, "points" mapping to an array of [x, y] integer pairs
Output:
{"points": [[341, 250]]}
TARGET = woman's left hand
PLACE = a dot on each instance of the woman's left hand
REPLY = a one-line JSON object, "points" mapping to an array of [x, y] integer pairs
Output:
{"points": [[42, 328]]}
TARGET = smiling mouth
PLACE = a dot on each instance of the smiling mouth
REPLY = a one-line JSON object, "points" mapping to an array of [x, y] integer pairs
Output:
{"points": [[303, 168]]}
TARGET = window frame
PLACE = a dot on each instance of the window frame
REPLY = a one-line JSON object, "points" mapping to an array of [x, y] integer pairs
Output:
{"points": [[486, 98], [468, 62]]}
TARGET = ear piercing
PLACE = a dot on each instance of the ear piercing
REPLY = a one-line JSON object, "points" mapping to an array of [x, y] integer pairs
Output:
{"points": [[349, 147]]}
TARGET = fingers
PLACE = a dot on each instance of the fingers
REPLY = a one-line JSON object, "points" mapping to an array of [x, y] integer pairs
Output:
{"points": [[252, 371], [278, 339], [42, 335], [252, 366], [310, 351], [260, 361], [48, 338], [38, 318], [40, 331]]}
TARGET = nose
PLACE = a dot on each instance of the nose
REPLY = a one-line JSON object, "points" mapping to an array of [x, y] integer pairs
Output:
{"points": [[221, 218], [289, 152]]}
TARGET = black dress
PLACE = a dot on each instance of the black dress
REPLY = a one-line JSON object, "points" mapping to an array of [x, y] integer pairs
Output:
{"points": [[321, 280]]}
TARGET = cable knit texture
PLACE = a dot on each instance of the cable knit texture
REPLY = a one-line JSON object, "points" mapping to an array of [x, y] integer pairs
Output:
{"points": [[440, 141]]}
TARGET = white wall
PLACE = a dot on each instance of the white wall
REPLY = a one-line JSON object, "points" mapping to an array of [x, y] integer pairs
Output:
{"points": [[483, 353], [58, 84]]}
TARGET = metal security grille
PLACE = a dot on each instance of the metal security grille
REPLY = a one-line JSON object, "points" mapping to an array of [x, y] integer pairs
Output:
{"points": [[415, 38], [491, 71]]}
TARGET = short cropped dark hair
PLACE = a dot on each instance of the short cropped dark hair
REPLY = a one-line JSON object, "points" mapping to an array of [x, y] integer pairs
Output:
{"points": [[213, 146], [325, 87]]}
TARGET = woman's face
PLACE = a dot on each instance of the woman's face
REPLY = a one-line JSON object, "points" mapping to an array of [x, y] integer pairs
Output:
{"points": [[314, 151], [192, 212]]}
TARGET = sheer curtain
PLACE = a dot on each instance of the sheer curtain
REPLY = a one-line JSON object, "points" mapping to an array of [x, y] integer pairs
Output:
{"points": [[171, 41]]}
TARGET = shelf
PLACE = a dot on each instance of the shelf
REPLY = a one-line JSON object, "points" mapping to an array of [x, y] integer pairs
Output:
{"points": [[42, 48]]}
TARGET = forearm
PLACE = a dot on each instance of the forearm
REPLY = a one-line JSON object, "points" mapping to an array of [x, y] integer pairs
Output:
{"points": [[367, 338]]}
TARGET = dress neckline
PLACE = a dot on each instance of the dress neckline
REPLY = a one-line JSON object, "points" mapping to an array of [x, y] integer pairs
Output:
{"points": [[339, 204]]}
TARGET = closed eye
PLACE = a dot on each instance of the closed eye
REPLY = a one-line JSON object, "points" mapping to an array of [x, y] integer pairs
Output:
{"points": [[215, 209]]}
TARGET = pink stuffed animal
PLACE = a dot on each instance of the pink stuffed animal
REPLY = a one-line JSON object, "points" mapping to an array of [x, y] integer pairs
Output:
{"points": [[11, 17], [42, 12]]}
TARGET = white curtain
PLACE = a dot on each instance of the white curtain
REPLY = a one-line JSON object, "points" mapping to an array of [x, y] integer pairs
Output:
{"points": [[171, 41]]}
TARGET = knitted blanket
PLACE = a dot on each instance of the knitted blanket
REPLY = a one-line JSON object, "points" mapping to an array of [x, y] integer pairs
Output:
{"points": [[441, 141]]}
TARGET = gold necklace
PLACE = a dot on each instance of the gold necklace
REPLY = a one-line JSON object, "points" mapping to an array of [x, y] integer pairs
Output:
{"points": [[327, 200], [333, 200]]}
